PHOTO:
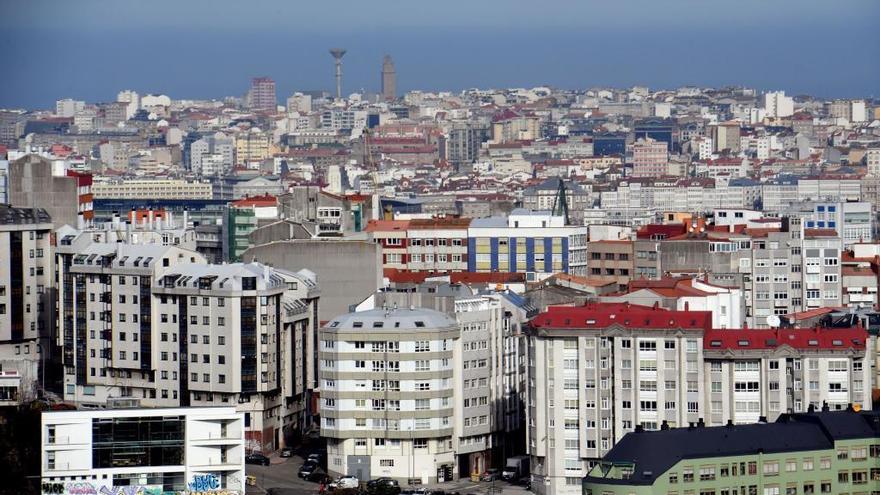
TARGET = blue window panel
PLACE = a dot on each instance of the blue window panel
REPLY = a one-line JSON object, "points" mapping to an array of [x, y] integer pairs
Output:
{"points": [[472, 254], [511, 244], [548, 255], [832, 209], [821, 225], [832, 225], [811, 224], [493, 248], [820, 208]]}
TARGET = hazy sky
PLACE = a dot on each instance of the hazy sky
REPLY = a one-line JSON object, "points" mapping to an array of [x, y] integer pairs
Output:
{"points": [[90, 49]]}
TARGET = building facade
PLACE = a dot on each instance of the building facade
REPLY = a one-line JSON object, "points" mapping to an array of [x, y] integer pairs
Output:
{"points": [[388, 395], [813, 452], [196, 449]]}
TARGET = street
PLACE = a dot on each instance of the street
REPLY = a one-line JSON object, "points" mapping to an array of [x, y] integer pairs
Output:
{"points": [[280, 478]]}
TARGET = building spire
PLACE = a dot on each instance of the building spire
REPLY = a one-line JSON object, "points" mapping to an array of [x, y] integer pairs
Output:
{"points": [[560, 202]]}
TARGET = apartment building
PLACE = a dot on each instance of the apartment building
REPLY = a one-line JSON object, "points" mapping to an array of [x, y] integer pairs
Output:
{"points": [[26, 301], [527, 241], [252, 145], [150, 189], [813, 452], [490, 325], [611, 261], [438, 244], [139, 450], [624, 366], [596, 371], [387, 394], [752, 374], [650, 158], [158, 324]]}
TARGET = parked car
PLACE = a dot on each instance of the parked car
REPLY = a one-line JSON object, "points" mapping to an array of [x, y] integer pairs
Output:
{"points": [[286, 452], [311, 471], [256, 458], [345, 482], [491, 474], [314, 457], [383, 486]]}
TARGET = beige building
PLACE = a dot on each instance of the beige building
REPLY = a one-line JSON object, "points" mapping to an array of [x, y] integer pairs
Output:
{"points": [[252, 145], [152, 189]]}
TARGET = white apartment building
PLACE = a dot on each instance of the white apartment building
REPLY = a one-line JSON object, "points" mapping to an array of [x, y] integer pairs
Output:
{"points": [[158, 325], [196, 449], [759, 374], [490, 325], [596, 372], [777, 105], [26, 269], [387, 394]]}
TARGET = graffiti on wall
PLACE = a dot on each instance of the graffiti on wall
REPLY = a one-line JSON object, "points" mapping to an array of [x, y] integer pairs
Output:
{"points": [[202, 484], [88, 488]]}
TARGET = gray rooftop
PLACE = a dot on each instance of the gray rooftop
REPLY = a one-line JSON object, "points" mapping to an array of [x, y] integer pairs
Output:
{"points": [[393, 319], [10, 215]]}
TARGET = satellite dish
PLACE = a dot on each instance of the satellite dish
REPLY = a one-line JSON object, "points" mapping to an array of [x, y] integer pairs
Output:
{"points": [[773, 321]]}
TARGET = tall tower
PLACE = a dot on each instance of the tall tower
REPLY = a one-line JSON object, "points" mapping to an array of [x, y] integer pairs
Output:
{"points": [[389, 79], [337, 54], [262, 94]]}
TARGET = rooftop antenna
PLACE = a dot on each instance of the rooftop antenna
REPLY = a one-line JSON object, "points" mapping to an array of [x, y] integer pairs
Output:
{"points": [[337, 54]]}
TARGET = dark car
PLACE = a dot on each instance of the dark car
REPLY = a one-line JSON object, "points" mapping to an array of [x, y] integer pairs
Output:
{"points": [[286, 452], [383, 486], [256, 458], [311, 471]]}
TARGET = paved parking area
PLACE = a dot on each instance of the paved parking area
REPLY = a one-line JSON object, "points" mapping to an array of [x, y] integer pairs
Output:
{"points": [[280, 478]]}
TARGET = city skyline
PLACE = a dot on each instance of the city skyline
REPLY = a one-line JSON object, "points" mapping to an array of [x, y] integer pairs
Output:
{"points": [[751, 46]]}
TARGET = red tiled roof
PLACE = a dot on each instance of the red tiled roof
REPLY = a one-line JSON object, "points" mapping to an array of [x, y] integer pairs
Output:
{"points": [[797, 338], [669, 230], [602, 315], [386, 225], [810, 313], [266, 200], [486, 278]]}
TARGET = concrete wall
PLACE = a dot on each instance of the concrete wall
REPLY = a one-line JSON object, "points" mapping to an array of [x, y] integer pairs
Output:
{"points": [[32, 185], [348, 271]]}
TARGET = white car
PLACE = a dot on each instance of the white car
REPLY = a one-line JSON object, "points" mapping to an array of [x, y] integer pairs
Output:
{"points": [[346, 482]]}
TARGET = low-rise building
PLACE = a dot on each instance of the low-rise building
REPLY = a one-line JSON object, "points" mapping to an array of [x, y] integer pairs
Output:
{"points": [[191, 449], [813, 452]]}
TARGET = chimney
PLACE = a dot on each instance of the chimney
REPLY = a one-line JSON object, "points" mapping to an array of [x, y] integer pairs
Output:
{"points": [[158, 221], [150, 218], [700, 423], [762, 419], [80, 221], [115, 220], [811, 409], [640, 428], [128, 226], [825, 407], [185, 216], [664, 425], [729, 423]]}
